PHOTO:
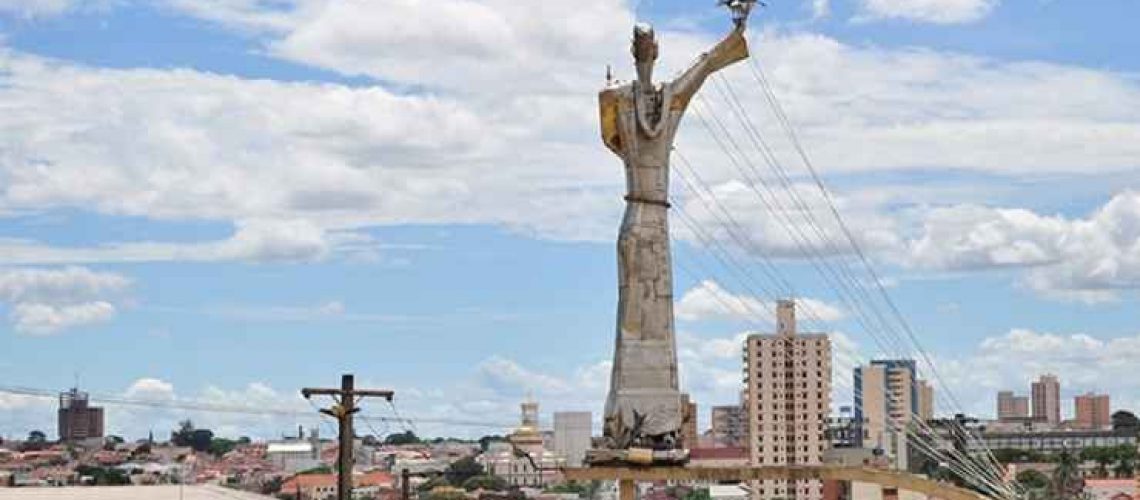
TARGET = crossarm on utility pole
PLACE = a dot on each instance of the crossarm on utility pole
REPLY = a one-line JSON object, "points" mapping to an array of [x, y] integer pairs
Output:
{"points": [[342, 411], [374, 393]]}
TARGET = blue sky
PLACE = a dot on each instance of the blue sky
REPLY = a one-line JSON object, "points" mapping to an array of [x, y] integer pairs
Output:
{"points": [[225, 201]]}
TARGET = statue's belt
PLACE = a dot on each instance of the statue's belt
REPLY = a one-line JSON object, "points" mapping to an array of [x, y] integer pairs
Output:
{"points": [[647, 201]]}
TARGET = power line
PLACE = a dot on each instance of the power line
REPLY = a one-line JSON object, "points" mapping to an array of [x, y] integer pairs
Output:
{"points": [[208, 407]]}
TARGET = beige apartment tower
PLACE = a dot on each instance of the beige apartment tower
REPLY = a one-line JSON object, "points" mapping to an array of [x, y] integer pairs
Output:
{"points": [[888, 395], [1011, 406], [925, 400], [788, 399], [728, 424], [1046, 392], [1092, 411]]}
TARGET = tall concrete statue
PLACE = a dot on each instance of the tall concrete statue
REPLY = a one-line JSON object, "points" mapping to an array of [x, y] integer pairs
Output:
{"points": [[639, 120]]}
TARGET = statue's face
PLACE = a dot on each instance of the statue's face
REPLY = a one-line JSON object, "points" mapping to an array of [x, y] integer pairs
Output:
{"points": [[644, 53]]}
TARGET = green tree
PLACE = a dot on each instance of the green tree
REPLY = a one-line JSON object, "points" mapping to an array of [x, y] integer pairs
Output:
{"points": [[485, 441], [220, 446], [200, 439], [1125, 457], [320, 469], [432, 484], [104, 476], [1125, 420], [406, 437], [485, 482], [36, 441], [462, 470], [184, 435], [1032, 479], [1102, 456], [1066, 483], [568, 487]]}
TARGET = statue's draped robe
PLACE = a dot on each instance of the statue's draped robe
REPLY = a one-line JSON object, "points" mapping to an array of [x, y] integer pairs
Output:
{"points": [[639, 127]]}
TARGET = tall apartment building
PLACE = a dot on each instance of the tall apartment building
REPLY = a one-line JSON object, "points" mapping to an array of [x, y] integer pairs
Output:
{"points": [[1092, 411], [925, 400], [887, 395], [1011, 406], [689, 434], [76, 419], [728, 426], [788, 400], [573, 431], [1046, 393]]}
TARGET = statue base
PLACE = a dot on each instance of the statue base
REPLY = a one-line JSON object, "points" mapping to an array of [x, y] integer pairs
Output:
{"points": [[636, 456]]}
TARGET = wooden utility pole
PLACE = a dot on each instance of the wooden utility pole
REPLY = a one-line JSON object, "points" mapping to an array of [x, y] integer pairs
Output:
{"points": [[405, 484], [344, 406]]}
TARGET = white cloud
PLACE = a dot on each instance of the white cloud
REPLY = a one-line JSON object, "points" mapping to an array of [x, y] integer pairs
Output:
{"points": [[332, 310], [35, 8], [509, 377], [150, 389], [254, 240], [45, 319], [254, 395], [931, 11], [13, 402], [820, 9], [926, 109], [58, 285], [780, 222], [497, 132], [708, 300], [1086, 259], [252, 15], [1010, 361], [46, 301]]}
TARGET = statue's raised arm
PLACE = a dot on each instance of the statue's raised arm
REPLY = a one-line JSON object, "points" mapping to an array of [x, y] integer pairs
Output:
{"points": [[731, 49]]}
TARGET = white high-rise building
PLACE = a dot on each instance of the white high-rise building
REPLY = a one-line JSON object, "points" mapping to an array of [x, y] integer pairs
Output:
{"points": [[572, 433], [788, 400]]}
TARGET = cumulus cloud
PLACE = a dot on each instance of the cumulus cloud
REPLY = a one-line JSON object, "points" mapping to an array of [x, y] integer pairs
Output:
{"points": [[253, 240], [254, 395], [1088, 259], [45, 319], [930, 11], [820, 9], [504, 133], [35, 8], [45, 301], [508, 376], [1011, 361], [708, 300], [150, 389], [54, 285]]}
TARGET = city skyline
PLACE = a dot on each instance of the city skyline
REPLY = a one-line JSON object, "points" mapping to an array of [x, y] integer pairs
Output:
{"points": [[180, 251]]}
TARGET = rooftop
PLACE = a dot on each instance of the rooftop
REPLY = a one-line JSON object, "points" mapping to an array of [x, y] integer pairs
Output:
{"points": [[129, 493]]}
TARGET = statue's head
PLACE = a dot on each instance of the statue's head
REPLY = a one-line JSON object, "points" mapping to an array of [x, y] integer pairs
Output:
{"points": [[644, 52]]}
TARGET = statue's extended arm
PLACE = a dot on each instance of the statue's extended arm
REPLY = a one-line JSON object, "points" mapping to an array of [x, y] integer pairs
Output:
{"points": [[731, 49]]}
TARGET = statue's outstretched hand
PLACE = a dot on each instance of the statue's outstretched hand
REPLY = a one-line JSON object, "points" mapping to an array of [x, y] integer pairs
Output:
{"points": [[740, 10]]}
